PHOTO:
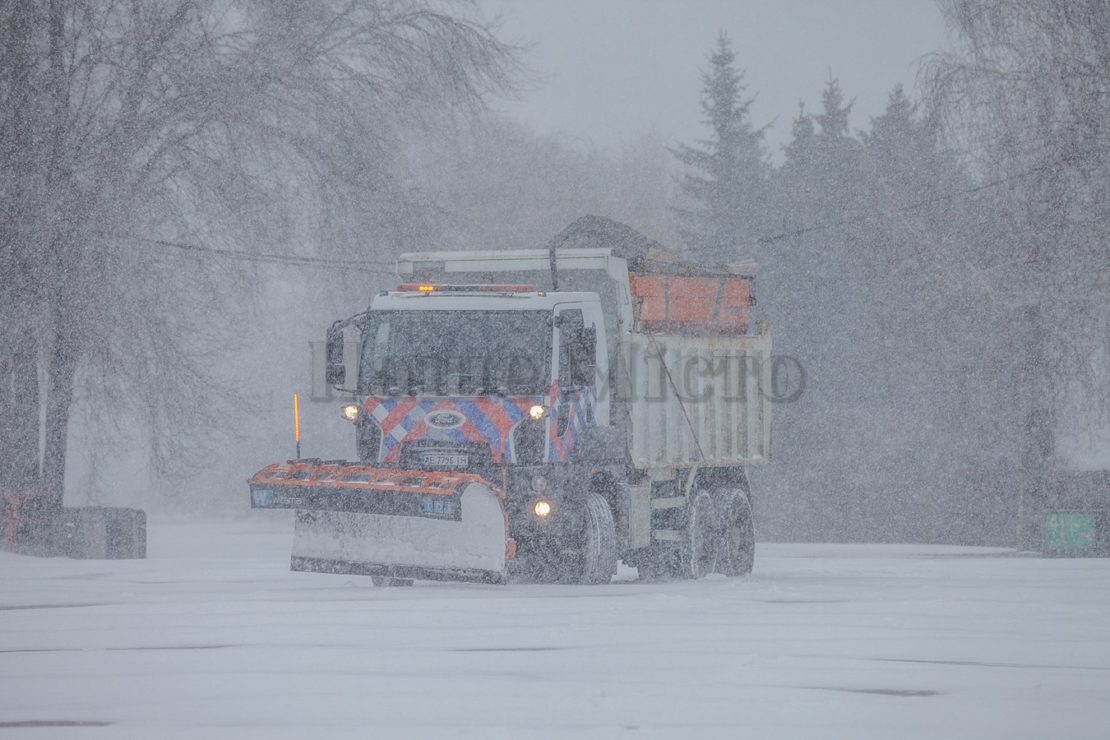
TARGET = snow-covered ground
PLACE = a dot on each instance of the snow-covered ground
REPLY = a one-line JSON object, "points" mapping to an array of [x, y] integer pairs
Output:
{"points": [[213, 637]]}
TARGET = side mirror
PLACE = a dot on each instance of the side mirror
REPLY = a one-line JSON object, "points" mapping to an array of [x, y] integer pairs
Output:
{"points": [[335, 372], [587, 343]]}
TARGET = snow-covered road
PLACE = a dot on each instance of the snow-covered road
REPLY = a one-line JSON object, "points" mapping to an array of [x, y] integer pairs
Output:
{"points": [[213, 637]]}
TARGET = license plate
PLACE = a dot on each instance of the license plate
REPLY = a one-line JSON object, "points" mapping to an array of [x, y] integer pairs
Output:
{"points": [[445, 459], [266, 498], [438, 507]]}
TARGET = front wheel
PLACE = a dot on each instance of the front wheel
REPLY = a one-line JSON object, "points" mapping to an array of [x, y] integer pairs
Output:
{"points": [[598, 562]]}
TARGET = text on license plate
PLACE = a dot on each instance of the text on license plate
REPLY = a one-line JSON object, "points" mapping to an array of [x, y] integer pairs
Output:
{"points": [[445, 459]]}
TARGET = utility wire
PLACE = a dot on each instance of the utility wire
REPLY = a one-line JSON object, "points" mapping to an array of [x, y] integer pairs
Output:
{"points": [[864, 217], [368, 266], [378, 267]]}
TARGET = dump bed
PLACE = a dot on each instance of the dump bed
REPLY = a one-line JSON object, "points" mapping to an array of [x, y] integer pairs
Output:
{"points": [[698, 400]]}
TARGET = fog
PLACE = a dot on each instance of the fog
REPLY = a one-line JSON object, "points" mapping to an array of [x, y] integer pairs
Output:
{"points": [[765, 388], [608, 73], [932, 255]]}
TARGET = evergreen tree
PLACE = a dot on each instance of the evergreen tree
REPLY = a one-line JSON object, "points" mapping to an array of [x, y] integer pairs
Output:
{"points": [[905, 150], [834, 117], [823, 176], [897, 123], [900, 383], [839, 161], [815, 285], [726, 183], [799, 152]]}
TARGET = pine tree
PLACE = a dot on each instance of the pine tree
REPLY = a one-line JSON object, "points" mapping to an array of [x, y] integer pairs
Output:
{"points": [[799, 152], [896, 122], [905, 150], [839, 172], [813, 284], [834, 117], [727, 175]]}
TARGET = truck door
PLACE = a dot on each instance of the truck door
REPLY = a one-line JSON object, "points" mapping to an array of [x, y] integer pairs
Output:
{"points": [[580, 363], [596, 346]]}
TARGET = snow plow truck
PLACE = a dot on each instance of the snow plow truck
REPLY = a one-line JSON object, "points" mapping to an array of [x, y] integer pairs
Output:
{"points": [[539, 415]]}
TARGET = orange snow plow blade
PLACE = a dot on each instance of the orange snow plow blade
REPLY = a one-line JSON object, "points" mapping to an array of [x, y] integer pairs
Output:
{"points": [[364, 520]]}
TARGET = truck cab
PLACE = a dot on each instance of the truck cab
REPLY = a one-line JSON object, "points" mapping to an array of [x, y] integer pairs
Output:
{"points": [[504, 381]]}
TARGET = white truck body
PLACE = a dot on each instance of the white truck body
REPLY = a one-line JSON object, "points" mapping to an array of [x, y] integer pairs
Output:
{"points": [[693, 401]]}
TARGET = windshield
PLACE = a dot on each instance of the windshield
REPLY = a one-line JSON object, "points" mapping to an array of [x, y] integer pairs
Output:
{"points": [[456, 353]]}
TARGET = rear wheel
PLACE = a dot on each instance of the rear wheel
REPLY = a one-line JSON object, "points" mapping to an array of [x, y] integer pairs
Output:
{"points": [[598, 563], [700, 537], [738, 542]]}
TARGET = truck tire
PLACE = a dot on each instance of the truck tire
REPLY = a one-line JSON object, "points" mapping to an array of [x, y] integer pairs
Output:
{"points": [[737, 550], [599, 542], [700, 537]]}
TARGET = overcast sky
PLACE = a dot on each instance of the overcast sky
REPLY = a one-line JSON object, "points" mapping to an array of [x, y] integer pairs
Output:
{"points": [[609, 70]]}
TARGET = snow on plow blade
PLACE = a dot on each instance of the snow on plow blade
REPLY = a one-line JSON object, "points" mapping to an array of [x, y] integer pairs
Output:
{"points": [[402, 523]]}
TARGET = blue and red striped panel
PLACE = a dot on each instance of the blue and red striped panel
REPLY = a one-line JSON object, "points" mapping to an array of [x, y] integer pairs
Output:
{"points": [[487, 420]]}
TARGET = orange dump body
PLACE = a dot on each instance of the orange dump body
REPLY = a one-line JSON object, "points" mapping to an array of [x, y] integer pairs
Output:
{"points": [[692, 304]]}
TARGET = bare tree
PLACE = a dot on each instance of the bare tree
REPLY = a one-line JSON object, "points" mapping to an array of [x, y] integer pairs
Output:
{"points": [[248, 124], [1027, 91]]}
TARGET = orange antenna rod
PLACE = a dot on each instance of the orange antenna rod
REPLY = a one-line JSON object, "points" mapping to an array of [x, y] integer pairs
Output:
{"points": [[297, 423]]}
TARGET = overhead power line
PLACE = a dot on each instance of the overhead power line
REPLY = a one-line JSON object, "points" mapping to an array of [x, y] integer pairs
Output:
{"points": [[864, 217], [376, 267]]}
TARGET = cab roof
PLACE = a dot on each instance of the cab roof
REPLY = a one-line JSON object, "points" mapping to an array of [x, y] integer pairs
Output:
{"points": [[477, 300]]}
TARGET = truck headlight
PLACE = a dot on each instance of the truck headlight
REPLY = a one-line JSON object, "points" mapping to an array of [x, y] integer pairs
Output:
{"points": [[542, 508], [350, 412], [539, 483], [537, 412]]}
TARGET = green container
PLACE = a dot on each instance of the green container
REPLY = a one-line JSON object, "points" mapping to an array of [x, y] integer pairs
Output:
{"points": [[1073, 531]]}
